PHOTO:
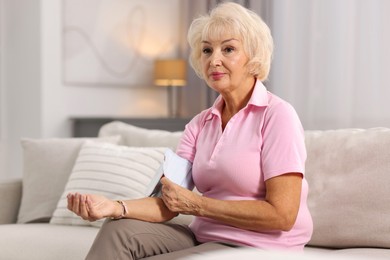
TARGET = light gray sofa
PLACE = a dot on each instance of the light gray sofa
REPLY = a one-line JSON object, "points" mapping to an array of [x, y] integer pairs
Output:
{"points": [[348, 171]]}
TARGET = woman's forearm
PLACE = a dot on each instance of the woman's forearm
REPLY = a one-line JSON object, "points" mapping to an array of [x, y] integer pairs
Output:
{"points": [[151, 209], [250, 215], [278, 211]]}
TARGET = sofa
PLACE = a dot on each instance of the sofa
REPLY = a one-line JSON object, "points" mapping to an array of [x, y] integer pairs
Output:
{"points": [[348, 171]]}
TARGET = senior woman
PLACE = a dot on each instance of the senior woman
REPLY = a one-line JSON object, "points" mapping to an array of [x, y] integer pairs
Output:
{"points": [[248, 158]]}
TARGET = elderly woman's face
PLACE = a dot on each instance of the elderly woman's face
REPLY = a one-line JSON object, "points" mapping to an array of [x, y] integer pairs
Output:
{"points": [[223, 62]]}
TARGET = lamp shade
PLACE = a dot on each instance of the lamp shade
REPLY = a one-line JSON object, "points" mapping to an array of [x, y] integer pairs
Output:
{"points": [[171, 72]]}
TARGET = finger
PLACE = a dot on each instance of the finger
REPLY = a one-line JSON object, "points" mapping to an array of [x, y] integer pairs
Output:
{"points": [[166, 197], [168, 183], [165, 181], [165, 200], [83, 207], [169, 204], [70, 201], [164, 192], [90, 209], [76, 204]]}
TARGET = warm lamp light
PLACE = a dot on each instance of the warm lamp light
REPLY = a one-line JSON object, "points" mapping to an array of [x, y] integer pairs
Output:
{"points": [[171, 73]]}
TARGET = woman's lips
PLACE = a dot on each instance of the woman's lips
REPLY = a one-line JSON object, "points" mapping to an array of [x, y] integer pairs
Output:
{"points": [[217, 75]]}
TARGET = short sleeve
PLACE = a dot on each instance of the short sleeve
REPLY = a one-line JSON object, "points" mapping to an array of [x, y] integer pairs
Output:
{"points": [[283, 148], [187, 144]]}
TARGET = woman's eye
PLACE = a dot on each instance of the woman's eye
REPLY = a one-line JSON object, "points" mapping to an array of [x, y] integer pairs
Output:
{"points": [[206, 50], [229, 49]]}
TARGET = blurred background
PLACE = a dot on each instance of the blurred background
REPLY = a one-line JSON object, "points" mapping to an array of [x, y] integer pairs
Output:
{"points": [[65, 59]]}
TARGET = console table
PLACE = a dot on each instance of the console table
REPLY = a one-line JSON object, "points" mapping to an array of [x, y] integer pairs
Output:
{"points": [[89, 126]]}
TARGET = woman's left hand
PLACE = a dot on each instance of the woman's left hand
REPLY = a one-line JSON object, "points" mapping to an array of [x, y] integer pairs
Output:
{"points": [[180, 200]]}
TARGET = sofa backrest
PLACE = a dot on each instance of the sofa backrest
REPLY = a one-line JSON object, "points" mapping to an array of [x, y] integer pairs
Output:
{"points": [[137, 136], [348, 172]]}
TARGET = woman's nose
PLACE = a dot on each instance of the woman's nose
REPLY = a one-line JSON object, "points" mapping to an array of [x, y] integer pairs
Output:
{"points": [[216, 59]]}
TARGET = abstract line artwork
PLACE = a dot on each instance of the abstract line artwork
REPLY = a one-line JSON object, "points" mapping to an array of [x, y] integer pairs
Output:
{"points": [[115, 42]]}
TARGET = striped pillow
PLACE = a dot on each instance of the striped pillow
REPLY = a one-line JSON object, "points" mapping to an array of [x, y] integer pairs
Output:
{"points": [[117, 172]]}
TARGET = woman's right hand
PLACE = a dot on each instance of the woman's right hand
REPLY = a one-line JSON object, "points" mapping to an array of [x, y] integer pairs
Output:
{"points": [[92, 207]]}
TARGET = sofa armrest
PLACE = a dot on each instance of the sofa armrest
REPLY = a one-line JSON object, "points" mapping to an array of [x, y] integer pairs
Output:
{"points": [[10, 197]]}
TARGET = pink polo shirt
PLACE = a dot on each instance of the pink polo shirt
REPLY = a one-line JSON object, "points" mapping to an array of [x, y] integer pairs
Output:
{"points": [[263, 140]]}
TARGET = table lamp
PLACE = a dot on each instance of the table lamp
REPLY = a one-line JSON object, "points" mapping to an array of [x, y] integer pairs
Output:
{"points": [[171, 73]]}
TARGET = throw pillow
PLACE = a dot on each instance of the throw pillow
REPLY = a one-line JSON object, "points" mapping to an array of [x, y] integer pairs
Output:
{"points": [[348, 175], [141, 137], [117, 172], [47, 164]]}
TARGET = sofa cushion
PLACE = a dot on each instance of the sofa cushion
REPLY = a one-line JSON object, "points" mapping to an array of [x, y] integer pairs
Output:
{"points": [[348, 172], [233, 253], [47, 164], [45, 242], [10, 194], [117, 172], [355, 253], [137, 136]]}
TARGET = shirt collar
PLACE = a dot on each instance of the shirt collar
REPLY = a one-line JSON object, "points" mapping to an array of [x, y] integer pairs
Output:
{"points": [[259, 98]]}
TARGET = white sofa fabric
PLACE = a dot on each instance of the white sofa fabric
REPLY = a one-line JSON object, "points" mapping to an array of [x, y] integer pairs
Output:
{"points": [[347, 170], [45, 241]]}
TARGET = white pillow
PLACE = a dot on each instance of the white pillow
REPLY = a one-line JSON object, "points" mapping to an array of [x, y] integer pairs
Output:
{"points": [[141, 137], [47, 164], [117, 172]]}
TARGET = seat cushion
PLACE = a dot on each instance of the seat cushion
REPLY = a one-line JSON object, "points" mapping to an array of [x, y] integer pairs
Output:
{"points": [[350, 253], [45, 242], [253, 253]]}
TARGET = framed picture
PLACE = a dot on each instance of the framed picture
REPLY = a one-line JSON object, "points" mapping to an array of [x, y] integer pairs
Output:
{"points": [[115, 42]]}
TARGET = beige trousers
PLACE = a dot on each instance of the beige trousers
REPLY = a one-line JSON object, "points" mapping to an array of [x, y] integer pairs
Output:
{"points": [[134, 239]]}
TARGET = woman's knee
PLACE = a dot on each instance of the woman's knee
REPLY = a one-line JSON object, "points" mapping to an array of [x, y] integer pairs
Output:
{"points": [[120, 231], [138, 239], [112, 241]]}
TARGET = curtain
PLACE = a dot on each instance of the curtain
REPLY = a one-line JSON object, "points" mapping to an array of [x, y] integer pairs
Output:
{"points": [[332, 61]]}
